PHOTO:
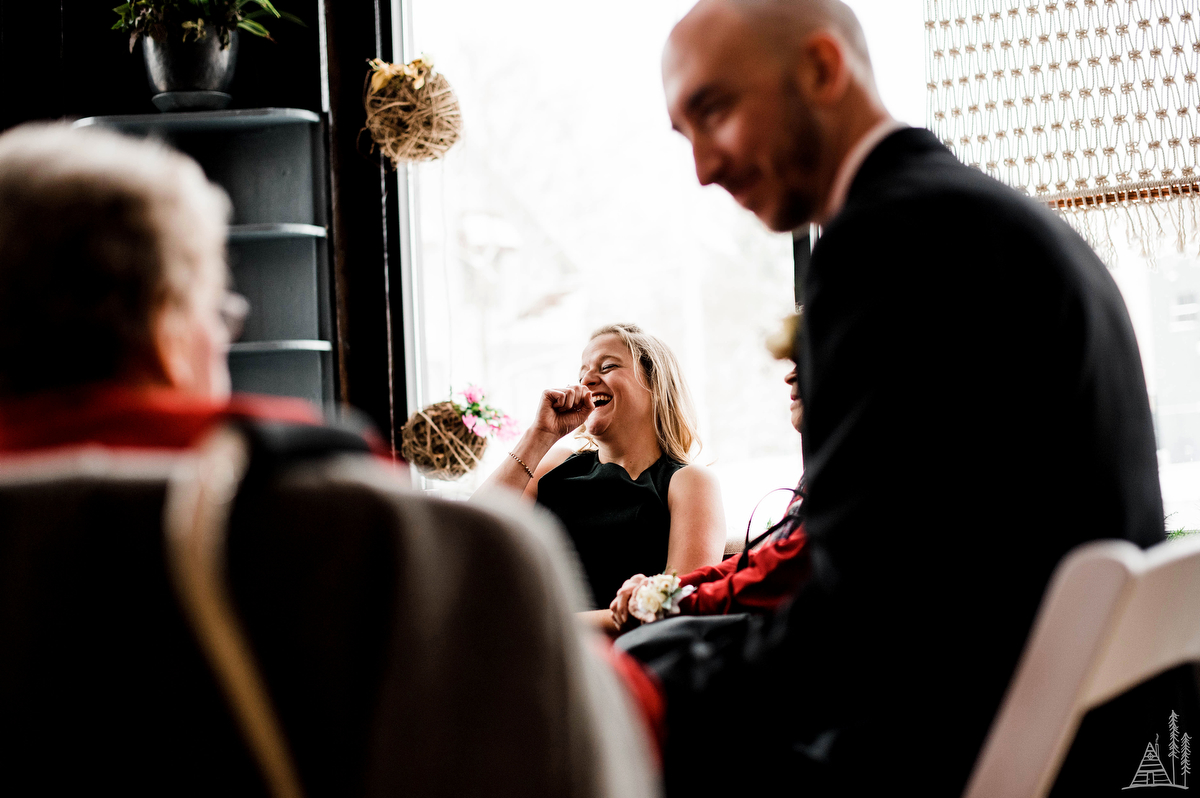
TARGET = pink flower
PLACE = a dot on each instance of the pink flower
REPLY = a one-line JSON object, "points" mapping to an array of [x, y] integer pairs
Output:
{"points": [[508, 428], [473, 394], [476, 424]]}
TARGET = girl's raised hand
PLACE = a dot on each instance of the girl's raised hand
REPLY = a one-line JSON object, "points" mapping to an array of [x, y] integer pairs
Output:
{"points": [[564, 409]]}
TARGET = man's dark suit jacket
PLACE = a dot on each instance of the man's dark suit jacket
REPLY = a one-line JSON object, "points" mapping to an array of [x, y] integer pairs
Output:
{"points": [[975, 407]]}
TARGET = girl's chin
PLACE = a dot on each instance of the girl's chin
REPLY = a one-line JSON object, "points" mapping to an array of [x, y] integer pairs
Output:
{"points": [[595, 427]]}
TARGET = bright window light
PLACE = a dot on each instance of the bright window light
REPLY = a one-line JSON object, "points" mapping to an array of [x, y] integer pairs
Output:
{"points": [[570, 204]]}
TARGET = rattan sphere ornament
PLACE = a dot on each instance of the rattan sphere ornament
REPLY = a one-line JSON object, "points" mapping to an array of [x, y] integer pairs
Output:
{"points": [[412, 113], [448, 439], [438, 444]]}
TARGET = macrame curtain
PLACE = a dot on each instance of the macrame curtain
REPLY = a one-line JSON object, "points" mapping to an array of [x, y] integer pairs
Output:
{"points": [[1089, 105]]}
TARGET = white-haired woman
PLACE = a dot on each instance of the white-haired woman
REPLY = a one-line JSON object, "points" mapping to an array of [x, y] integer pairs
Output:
{"points": [[629, 497]]}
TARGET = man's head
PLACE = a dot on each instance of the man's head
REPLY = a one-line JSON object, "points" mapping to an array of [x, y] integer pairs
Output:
{"points": [[771, 94], [112, 264]]}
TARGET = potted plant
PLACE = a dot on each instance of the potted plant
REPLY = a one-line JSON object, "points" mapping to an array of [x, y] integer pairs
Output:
{"points": [[190, 46]]}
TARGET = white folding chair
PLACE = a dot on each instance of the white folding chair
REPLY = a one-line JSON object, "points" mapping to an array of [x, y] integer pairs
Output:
{"points": [[1113, 616]]}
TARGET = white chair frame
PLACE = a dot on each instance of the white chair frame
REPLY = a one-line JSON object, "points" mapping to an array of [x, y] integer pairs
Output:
{"points": [[1113, 616]]}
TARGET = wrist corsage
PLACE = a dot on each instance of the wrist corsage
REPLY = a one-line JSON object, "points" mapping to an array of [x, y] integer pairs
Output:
{"points": [[658, 597]]}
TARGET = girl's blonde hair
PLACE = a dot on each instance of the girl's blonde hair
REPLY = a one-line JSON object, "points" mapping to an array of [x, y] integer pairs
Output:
{"points": [[674, 414]]}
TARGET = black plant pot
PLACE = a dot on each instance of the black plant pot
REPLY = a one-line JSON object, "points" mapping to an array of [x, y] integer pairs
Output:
{"points": [[191, 75]]}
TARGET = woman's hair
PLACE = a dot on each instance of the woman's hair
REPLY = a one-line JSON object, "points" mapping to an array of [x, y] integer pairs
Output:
{"points": [[97, 232], [659, 372], [782, 343]]}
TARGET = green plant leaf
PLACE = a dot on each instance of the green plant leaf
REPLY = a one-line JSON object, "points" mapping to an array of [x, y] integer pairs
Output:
{"points": [[262, 12], [250, 26], [266, 6]]}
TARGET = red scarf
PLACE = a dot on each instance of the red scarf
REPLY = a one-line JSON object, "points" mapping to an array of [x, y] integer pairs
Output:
{"points": [[123, 416]]}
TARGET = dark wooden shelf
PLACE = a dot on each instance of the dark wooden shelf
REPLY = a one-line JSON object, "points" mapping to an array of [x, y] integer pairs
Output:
{"points": [[257, 347], [276, 230], [196, 121]]}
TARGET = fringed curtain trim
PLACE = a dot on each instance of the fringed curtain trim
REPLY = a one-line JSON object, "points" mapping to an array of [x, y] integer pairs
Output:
{"points": [[1086, 104]]}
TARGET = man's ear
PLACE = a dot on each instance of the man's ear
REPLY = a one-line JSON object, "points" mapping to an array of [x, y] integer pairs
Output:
{"points": [[824, 71], [170, 345]]}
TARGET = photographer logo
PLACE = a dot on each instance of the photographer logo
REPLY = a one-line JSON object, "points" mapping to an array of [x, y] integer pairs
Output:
{"points": [[1153, 773]]}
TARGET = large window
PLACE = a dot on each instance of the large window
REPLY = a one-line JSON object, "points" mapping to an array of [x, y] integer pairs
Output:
{"points": [[1161, 296], [570, 204]]}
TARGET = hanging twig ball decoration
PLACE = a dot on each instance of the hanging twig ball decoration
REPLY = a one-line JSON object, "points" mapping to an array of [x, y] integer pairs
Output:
{"points": [[412, 113], [438, 444]]}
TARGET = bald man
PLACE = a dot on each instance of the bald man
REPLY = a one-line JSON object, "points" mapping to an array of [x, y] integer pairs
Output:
{"points": [[975, 404]]}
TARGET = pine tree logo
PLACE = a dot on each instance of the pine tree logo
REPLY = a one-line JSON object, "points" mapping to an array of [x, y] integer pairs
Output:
{"points": [[1152, 773], [1185, 758]]}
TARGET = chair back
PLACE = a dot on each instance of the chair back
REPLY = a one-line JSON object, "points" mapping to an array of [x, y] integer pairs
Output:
{"points": [[317, 628], [1113, 616]]}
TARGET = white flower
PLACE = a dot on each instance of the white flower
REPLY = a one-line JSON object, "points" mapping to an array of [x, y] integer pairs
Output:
{"points": [[657, 598], [646, 603], [671, 605], [664, 583]]}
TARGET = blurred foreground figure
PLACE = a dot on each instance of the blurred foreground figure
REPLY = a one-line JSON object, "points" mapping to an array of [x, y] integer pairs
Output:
{"points": [[974, 408], [205, 596]]}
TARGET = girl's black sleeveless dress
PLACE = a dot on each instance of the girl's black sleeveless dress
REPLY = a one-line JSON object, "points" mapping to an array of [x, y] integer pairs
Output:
{"points": [[620, 526]]}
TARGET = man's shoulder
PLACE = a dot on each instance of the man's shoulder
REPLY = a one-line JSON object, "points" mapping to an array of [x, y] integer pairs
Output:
{"points": [[914, 202], [912, 175]]}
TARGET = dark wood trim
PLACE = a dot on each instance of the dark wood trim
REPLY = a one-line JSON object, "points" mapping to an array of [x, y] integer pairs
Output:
{"points": [[364, 225], [1124, 194], [801, 257]]}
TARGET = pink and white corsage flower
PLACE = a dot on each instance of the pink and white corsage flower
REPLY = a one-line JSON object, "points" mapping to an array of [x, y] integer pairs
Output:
{"points": [[658, 597]]}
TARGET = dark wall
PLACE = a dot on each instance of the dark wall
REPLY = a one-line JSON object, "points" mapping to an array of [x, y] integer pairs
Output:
{"points": [[60, 58]]}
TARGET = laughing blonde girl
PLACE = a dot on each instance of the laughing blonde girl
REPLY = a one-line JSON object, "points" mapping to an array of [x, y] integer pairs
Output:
{"points": [[629, 497]]}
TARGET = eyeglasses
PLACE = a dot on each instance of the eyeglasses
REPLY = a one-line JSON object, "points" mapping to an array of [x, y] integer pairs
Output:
{"points": [[234, 309]]}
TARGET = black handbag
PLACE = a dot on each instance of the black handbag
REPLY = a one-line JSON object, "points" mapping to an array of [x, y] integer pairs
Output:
{"points": [[662, 645]]}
